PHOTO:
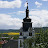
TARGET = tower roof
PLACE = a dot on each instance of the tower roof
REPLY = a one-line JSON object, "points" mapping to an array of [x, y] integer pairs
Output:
{"points": [[27, 21], [27, 11]]}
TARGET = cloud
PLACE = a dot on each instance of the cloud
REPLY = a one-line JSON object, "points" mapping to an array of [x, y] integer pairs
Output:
{"points": [[38, 4], [11, 4], [39, 18], [44, 0], [7, 22], [20, 12], [12, 13]]}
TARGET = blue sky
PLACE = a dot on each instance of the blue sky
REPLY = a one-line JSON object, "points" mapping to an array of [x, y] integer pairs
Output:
{"points": [[13, 11]]}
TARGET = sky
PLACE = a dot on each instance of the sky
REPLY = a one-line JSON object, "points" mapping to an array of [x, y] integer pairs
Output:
{"points": [[12, 13]]}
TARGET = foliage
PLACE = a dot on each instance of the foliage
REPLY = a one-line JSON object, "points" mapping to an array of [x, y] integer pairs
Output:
{"points": [[16, 37], [41, 40], [28, 43], [0, 46], [42, 37]]}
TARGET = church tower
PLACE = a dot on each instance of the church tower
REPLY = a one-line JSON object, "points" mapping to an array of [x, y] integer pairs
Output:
{"points": [[27, 21], [26, 30]]}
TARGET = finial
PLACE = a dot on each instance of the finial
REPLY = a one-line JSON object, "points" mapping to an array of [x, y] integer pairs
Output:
{"points": [[27, 2]]}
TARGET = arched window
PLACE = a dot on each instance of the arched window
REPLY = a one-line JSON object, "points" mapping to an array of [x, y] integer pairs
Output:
{"points": [[30, 34]]}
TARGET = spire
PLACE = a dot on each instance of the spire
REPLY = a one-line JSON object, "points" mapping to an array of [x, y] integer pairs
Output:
{"points": [[27, 4], [27, 11]]}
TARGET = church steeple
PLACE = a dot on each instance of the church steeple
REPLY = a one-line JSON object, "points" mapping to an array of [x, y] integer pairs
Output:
{"points": [[27, 21], [27, 11]]}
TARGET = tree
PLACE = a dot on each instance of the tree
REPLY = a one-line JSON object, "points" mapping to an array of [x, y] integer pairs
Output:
{"points": [[42, 38], [28, 43]]}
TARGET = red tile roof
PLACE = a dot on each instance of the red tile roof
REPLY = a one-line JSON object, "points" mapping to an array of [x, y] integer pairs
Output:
{"points": [[1, 42]]}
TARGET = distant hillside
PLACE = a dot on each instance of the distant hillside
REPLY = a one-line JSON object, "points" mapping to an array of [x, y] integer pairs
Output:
{"points": [[6, 31], [37, 30]]}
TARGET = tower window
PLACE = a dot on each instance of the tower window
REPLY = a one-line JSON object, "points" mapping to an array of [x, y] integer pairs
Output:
{"points": [[30, 34], [20, 33], [24, 37], [20, 43]]}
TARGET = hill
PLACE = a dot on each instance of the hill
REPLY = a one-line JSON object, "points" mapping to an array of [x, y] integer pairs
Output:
{"points": [[7, 31]]}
